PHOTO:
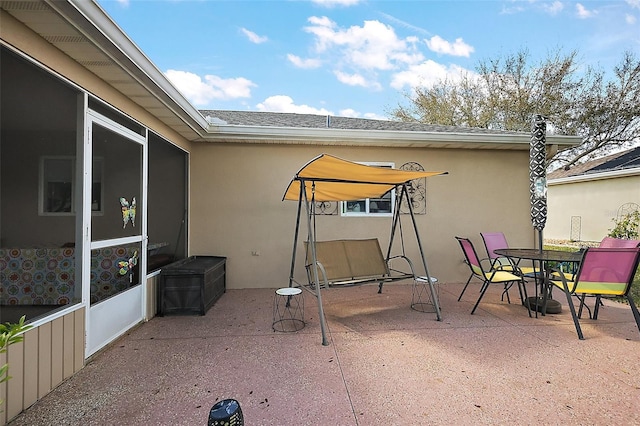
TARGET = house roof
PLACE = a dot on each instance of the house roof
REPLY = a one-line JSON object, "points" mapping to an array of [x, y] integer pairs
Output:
{"points": [[282, 119], [83, 31], [247, 126], [619, 163]]}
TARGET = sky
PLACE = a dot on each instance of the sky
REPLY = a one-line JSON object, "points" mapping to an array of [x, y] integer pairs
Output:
{"points": [[357, 58]]}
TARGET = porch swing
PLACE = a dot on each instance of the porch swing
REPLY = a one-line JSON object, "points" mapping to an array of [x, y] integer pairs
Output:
{"points": [[349, 261]]}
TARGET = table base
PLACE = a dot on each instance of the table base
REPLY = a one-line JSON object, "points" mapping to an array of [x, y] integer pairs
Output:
{"points": [[536, 304]]}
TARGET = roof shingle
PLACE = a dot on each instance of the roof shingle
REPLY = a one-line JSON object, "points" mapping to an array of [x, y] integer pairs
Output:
{"points": [[283, 119]]}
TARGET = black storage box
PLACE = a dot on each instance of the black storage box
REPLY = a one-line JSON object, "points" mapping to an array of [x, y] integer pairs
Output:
{"points": [[192, 285]]}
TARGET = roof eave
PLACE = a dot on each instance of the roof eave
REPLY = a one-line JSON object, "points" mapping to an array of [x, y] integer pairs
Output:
{"points": [[327, 136], [611, 174], [91, 20]]}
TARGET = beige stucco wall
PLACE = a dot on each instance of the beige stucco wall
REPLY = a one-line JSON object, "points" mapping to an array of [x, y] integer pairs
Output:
{"points": [[594, 202], [236, 207]]}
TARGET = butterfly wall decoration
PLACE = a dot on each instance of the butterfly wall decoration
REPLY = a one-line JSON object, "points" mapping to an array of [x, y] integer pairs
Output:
{"points": [[128, 211], [126, 266]]}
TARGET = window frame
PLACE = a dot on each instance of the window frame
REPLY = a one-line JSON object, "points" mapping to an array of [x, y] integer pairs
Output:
{"points": [[346, 209]]}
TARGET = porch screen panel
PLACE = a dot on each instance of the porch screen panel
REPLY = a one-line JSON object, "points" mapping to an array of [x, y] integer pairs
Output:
{"points": [[120, 191]]}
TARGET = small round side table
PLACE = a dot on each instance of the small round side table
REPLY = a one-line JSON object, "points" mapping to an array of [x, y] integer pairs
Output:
{"points": [[288, 310]]}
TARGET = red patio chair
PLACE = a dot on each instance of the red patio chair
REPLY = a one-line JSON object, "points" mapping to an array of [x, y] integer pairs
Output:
{"points": [[603, 272], [491, 276]]}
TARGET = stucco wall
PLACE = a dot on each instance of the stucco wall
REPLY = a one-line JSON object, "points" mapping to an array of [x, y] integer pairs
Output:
{"points": [[236, 207], [594, 203]]}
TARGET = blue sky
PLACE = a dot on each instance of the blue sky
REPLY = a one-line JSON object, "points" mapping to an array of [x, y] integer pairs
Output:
{"points": [[356, 58]]}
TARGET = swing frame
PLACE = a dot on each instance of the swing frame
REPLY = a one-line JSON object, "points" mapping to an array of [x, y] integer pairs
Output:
{"points": [[328, 178]]}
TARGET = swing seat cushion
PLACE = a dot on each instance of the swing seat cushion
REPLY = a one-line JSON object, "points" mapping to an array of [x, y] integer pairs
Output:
{"points": [[351, 261]]}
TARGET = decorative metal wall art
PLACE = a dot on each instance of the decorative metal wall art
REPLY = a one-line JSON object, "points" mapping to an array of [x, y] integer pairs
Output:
{"points": [[326, 207], [417, 190]]}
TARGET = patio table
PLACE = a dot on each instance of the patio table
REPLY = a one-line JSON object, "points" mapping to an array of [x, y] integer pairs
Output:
{"points": [[544, 257]]}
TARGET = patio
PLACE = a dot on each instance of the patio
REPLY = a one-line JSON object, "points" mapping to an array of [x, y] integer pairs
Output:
{"points": [[386, 364]]}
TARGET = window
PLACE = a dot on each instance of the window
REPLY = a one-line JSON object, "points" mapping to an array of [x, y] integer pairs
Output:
{"points": [[57, 186], [382, 206]]}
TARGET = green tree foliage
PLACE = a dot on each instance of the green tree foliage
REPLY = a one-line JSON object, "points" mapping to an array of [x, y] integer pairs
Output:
{"points": [[506, 92], [626, 227]]}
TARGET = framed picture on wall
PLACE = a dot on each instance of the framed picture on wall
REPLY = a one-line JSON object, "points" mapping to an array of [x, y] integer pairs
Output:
{"points": [[57, 186]]}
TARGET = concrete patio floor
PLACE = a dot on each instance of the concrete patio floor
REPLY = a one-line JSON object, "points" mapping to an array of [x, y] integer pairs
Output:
{"points": [[385, 364]]}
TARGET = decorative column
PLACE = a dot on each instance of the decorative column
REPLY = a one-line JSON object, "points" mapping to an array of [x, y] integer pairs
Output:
{"points": [[538, 175]]}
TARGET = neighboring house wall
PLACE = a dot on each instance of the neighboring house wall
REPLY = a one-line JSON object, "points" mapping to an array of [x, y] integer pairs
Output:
{"points": [[592, 202], [237, 208]]}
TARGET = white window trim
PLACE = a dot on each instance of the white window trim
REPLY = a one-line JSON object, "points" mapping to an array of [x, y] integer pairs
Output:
{"points": [[344, 204]]}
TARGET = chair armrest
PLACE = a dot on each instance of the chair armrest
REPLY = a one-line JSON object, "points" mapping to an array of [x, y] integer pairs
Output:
{"points": [[323, 272], [406, 259], [561, 279]]}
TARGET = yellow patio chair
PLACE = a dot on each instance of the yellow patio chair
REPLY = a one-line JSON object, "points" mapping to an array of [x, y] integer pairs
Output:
{"points": [[491, 276]]}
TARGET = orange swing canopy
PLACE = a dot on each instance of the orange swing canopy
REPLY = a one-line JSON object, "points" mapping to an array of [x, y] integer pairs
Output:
{"points": [[335, 179]]}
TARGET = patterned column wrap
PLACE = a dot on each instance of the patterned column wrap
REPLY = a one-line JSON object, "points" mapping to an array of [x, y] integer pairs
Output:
{"points": [[537, 172]]}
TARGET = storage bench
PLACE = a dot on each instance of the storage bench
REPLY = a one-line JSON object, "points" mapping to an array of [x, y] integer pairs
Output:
{"points": [[191, 286]]}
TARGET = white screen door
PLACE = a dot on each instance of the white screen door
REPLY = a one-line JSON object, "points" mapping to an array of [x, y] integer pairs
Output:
{"points": [[114, 200]]}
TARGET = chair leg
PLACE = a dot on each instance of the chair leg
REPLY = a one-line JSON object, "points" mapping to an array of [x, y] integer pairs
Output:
{"points": [[465, 287], [507, 286], [634, 309], [596, 308], [485, 286], [520, 284], [523, 283], [572, 308]]}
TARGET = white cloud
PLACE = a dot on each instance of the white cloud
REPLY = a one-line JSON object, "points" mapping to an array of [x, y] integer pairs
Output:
{"points": [[124, 3], [355, 80], [583, 12], [253, 37], [349, 112], [373, 46], [283, 103], [553, 8], [634, 3], [630, 19], [201, 92], [426, 74], [304, 63], [334, 3], [457, 48]]}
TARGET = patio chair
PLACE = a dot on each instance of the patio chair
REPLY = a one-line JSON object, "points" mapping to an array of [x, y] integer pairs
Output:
{"points": [[490, 276], [497, 240], [607, 242], [610, 242], [603, 272]]}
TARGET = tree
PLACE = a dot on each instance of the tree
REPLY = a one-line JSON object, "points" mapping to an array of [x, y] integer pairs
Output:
{"points": [[505, 93]]}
